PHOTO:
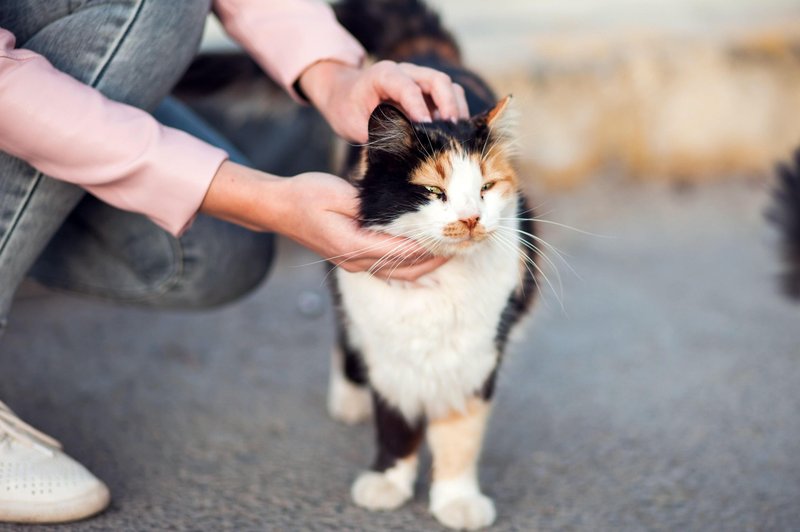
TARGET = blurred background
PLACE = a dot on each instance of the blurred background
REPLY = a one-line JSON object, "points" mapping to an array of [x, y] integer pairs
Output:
{"points": [[680, 90]]}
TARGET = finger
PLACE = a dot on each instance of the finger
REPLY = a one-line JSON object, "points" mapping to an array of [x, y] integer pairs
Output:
{"points": [[401, 262], [394, 84], [372, 246], [461, 100], [410, 272], [381, 266], [439, 86]]}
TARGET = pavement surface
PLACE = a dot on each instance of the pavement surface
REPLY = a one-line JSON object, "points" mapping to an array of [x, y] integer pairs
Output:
{"points": [[664, 396]]}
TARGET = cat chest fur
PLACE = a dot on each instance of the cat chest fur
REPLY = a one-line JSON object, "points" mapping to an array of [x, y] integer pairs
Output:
{"points": [[428, 348]]}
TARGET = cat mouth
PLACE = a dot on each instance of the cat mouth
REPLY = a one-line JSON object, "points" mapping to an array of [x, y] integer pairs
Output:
{"points": [[467, 240]]}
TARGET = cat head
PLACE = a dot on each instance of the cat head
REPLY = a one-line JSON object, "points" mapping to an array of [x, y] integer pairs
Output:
{"points": [[447, 185]]}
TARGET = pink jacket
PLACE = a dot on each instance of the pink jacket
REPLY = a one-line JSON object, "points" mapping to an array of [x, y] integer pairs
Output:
{"points": [[119, 153]]}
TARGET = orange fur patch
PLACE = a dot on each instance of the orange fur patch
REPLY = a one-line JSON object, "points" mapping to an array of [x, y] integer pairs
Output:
{"points": [[498, 109], [496, 167], [360, 168], [434, 172], [456, 440]]}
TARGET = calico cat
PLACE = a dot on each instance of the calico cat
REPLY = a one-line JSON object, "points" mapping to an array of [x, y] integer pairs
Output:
{"points": [[424, 356], [785, 213]]}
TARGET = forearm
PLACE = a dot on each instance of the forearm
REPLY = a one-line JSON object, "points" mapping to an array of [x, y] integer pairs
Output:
{"points": [[252, 199], [70, 131]]}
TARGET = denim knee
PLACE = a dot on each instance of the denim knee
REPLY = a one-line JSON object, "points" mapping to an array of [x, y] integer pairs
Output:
{"points": [[160, 40], [133, 51], [119, 256], [223, 280]]}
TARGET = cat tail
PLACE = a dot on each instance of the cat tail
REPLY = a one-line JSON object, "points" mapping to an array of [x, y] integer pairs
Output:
{"points": [[785, 214], [398, 29]]}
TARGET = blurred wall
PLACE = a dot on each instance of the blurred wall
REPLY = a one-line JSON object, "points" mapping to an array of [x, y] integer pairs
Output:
{"points": [[681, 90], [651, 89]]}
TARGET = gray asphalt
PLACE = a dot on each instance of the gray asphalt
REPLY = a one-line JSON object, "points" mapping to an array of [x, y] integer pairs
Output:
{"points": [[664, 396]]}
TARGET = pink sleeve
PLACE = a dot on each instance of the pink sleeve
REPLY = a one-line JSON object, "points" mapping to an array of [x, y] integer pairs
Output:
{"points": [[119, 153], [287, 36]]}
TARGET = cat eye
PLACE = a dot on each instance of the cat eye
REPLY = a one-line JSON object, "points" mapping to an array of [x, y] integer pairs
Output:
{"points": [[436, 191], [487, 186]]}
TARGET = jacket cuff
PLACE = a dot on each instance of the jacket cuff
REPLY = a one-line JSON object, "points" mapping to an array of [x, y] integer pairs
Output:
{"points": [[286, 37]]}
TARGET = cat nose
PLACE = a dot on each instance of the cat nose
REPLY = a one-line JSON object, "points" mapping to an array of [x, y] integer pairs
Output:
{"points": [[470, 222]]}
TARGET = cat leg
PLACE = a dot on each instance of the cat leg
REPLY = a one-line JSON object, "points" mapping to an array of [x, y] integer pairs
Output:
{"points": [[349, 399], [455, 441], [390, 482]]}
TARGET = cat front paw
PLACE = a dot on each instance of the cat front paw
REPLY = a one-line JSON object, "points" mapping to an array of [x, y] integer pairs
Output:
{"points": [[468, 512], [377, 491]]}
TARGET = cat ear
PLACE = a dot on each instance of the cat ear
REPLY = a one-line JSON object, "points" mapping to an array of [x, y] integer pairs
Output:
{"points": [[498, 117], [389, 130]]}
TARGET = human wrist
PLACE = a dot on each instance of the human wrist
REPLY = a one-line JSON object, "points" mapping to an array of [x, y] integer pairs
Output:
{"points": [[246, 197], [320, 80]]}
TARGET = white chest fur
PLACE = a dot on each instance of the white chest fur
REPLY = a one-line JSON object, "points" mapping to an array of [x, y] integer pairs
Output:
{"points": [[430, 347]]}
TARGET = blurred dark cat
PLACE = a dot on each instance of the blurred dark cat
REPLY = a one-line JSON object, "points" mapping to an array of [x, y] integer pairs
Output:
{"points": [[424, 356], [785, 213]]}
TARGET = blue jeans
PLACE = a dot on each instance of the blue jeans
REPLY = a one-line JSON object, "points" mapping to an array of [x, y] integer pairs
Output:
{"points": [[133, 51]]}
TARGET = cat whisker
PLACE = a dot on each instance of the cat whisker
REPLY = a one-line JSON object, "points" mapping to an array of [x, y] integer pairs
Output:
{"points": [[531, 246], [395, 254], [483, 148], [497, 239], [399, 263], [406, 241], [388, 140], [535, 208], [527, 260], [428, 138], [560, 254], [393, 262], [354, 254], [505, 148], [347, 256], [559, 224]]}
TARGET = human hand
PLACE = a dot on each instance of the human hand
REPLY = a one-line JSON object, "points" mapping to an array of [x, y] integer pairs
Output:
{"points": [[318, 211], [346, 96], [327, 225]]}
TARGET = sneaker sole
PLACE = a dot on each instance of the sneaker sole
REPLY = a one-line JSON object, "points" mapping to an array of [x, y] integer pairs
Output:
{"points": [[75, 509]]}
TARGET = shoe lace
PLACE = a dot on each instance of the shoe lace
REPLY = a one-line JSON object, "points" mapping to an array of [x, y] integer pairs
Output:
{"points": [[13, 427]]}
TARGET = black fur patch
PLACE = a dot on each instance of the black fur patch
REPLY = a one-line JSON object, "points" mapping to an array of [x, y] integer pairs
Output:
{"points": [[384, 190], [487, 390], [520, 299], [785, 213], [355, 369], [397, 437]]}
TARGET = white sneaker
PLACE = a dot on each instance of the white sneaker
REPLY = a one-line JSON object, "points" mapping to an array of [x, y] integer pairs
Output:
{"points": [[38, 482]]}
